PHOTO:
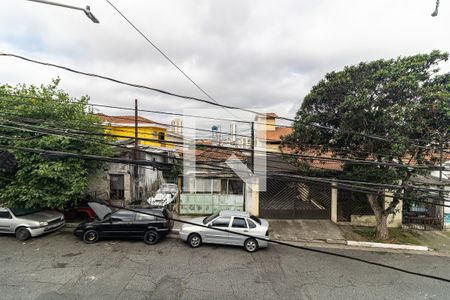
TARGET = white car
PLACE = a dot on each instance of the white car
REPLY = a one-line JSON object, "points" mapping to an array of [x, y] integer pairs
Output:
{"points": [[28, 222], [235, 221], [165, 195]]}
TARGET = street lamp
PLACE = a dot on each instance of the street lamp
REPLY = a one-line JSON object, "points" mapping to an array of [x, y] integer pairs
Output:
{"points": [[436, 10], [86, 10]]}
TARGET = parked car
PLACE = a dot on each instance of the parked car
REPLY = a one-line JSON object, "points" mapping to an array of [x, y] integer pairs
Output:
{"points": [[165, 195], [82, 212], [26, 223], [237, 221], [125, 224]]}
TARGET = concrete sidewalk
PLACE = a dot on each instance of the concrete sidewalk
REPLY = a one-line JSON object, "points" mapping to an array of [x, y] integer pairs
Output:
{"points": [[294, 230], [306, 231]]}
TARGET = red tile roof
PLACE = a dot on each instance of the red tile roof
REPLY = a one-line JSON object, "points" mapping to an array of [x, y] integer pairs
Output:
{"points": [[271, 115], [274, 135], [122, 119]]}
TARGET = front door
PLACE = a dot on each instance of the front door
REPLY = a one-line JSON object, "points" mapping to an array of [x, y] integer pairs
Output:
{"points": [[5, 220], [119, 225], [217, 236]]}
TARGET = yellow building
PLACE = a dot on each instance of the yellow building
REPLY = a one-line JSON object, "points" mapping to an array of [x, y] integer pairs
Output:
{"points": [[123, 126]]}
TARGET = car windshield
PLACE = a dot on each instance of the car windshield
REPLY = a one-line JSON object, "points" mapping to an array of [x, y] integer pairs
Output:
{"points": [[18, 212], [256, 219], [210, 218]]}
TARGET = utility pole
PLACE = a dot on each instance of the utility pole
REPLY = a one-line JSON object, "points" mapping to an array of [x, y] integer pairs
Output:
{"points": [[135, 152], [441, 192], [252, 145], [441, 150]]}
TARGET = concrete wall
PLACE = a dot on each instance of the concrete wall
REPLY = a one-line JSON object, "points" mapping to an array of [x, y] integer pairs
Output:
{"points": [[394, 220], [99, 182], [252, 196]]}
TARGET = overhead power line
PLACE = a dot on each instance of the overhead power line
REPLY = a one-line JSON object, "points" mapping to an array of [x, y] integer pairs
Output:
{"points": [[308, 157], [336, 149], [354, 186], [21, 97], [302, 156], [140, 86], [217, 167]]}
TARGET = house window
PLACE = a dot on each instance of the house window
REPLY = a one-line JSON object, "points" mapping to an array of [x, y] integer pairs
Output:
{"points": [[116, 187], [161, 136], [203, 186], [216, 187], [224, 186], [235, 187]]}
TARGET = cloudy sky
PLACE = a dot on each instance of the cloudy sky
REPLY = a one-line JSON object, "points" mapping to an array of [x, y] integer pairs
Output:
{"points": [[263, 55]]}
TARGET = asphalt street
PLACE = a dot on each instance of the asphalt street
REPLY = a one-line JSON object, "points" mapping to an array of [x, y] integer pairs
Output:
{"points": [[59, 266]]}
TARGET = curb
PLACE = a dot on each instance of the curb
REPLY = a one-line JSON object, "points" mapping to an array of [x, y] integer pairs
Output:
{"points": [[387, 246], [174, 234], [335, 241]]}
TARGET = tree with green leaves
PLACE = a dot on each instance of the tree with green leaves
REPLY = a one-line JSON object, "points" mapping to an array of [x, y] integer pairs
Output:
{"points": [[405, 101], [38, 181]]}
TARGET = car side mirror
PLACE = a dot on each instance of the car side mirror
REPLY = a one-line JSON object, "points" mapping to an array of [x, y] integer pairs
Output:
{"points": [[209, 225]]}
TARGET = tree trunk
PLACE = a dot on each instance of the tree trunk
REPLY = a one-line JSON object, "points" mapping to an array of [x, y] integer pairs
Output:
{"points": [[382, 232]]}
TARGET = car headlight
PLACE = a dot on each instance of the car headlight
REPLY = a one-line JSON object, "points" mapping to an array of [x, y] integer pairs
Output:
{"points": [[42, 224]]}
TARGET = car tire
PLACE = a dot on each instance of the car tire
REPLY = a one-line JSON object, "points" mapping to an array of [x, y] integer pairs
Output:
{"points": [[195, 240], [90, 236], [151, 237], [251, 245], [22, 234]]}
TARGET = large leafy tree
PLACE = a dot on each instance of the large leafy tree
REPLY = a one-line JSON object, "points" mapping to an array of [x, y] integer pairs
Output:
{"points": [[406, 101], [26, 113]]}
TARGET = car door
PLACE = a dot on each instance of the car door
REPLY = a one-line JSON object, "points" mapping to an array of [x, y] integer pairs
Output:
{"points": [[142, 222], [217, 236], [5, 220], [119, 225], [238, 225]]}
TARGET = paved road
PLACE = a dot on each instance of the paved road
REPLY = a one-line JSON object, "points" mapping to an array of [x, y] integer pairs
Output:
{"points": [[58, 266]]}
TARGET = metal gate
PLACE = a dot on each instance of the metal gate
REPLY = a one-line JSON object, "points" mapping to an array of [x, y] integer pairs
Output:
{"points": [[295, 200]]}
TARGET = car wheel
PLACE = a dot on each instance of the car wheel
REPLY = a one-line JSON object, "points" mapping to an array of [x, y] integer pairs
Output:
{"points": [[90, 236], [251, 245], [22, 234], [151, 237], [195, 240]]}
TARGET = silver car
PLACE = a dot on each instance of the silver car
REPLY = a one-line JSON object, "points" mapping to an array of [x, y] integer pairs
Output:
{"points": [[235, 221], [26, 223]]}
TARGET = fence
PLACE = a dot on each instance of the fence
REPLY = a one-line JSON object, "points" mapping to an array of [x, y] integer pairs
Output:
{"points": [[285, 199]]}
